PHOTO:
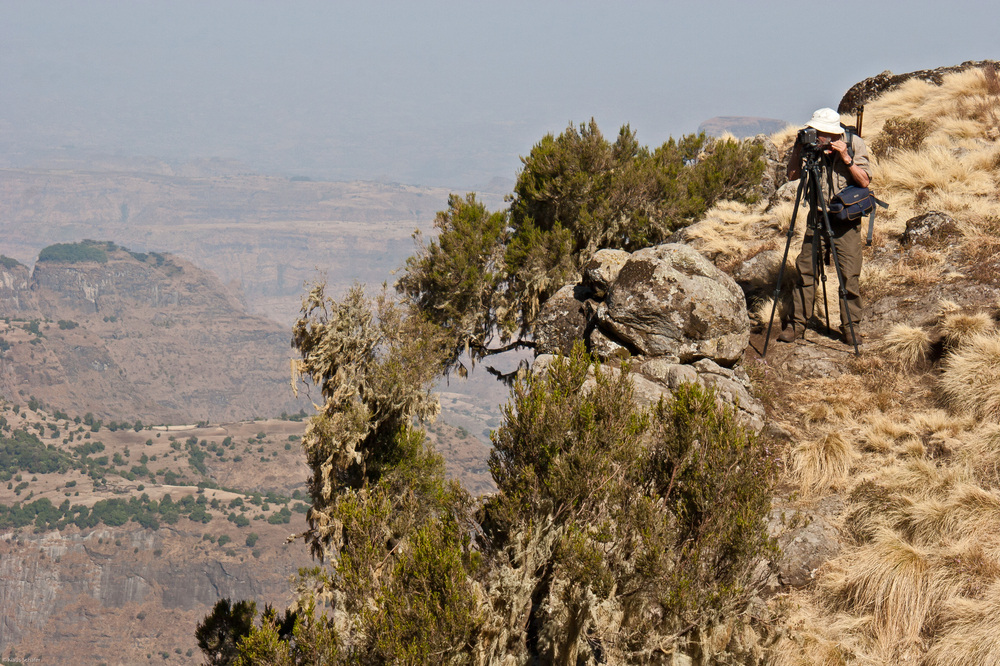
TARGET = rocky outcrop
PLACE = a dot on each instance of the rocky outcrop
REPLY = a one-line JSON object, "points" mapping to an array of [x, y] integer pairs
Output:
{"points": [[562, 320], [774, 169], [873, 87], [933, 229], [70, 589], [125, 283], [669, 300], [150, 336], [602, 270], [655, 379], [680, 317], [15, 292]]}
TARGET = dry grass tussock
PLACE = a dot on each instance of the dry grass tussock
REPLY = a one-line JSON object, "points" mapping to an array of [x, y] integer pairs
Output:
{"points": [[956, 170], [970, 632], [907, 345], [959, 328], [730, 232], [967, 509], [981, 455], [824, 463], [916, 181], [818, 638], [914, 269], [970, 380], [887, 580], [921, 99]]}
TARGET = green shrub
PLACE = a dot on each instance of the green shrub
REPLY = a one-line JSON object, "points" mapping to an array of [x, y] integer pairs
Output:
{"points": [[74, 253], [900, 134], [9, 262], [484, 277], [663, 512]]}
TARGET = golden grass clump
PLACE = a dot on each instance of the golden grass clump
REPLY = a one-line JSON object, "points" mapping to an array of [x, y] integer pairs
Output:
{"points": [[982, 455], [887, 580], [880, 431], [907, 345], [934, 168], [873, 507], [829, 408], [937, 421], [946, 306], [970, 380], [823, 463], [816, 640], [970, 632], [919, 478], [729, 232], [968, 509], [959, 328]]}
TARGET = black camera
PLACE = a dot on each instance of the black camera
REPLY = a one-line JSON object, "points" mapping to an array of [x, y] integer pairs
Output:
{"points": [[809, 139]]}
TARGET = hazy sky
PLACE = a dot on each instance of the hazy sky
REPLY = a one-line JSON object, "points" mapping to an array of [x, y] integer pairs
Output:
{"points": [[439, 92]]}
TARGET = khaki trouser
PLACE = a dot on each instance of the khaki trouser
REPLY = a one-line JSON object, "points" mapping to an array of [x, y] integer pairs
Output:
{"points": [[847, 241]]}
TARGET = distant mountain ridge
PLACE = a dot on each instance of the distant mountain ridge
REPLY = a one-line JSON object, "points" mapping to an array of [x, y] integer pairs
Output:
{"points": [[147, 336], [741, 126]]}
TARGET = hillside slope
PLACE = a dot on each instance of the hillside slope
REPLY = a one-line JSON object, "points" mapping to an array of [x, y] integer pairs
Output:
{"points": [[891, 495], [137, 336]]}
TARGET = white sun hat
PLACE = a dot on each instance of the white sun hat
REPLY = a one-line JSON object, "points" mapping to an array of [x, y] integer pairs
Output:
{"points": [[826, 120]]}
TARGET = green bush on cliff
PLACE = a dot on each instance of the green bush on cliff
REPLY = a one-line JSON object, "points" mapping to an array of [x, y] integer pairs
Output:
{"points": [[655, 517], [9, 262], [657, 513], [485, 276], [662, 512], [75, 253]]}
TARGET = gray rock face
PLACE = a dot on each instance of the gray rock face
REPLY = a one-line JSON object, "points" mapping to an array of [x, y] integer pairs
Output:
{"points": [[669, 300], [15, 294], [774, 172], [603, 347], [657, 378], [561, 321], [804, 550], [933, 229], [758, 273], [602, 270], [66, 582]]}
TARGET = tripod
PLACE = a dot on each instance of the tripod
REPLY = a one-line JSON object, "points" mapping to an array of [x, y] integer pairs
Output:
{"points": [[810, 185]]}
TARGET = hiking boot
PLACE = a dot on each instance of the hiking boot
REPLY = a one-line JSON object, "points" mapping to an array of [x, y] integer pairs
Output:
{"points": [[791, 333], [858, 339]]}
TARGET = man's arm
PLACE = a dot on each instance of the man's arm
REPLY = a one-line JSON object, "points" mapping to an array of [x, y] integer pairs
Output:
{"points": [[857, 166]]}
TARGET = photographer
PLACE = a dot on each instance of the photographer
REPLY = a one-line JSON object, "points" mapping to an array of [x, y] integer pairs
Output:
{"points": [[839, 169]]}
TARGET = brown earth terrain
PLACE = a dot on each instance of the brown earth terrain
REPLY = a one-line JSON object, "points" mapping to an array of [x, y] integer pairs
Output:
{"points": [[139, 337], [124, 594]]}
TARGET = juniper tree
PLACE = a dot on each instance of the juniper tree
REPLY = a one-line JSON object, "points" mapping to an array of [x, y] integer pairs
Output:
{"points": [[484, 277]]}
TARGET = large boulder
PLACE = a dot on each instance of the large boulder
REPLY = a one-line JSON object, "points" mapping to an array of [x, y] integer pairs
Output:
{"points": [[669, 300]]}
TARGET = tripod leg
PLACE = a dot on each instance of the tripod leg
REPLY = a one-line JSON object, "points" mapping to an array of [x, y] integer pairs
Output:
{"points": [[781, 270]]}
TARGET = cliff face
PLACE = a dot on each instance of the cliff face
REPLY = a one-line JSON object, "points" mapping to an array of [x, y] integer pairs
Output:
{"points": [[148, 337], [15, 294], [112, 595], [127, 285]]}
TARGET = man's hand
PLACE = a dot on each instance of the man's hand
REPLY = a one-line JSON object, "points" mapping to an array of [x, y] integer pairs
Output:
{"points": [[840, 147]]}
